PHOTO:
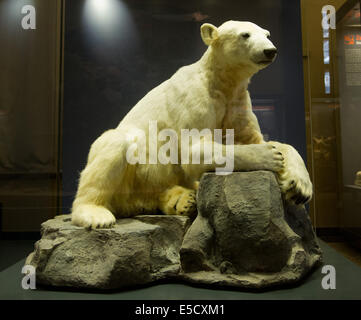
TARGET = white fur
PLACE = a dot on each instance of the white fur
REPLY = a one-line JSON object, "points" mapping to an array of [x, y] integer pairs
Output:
{"points": [[211, 93]]}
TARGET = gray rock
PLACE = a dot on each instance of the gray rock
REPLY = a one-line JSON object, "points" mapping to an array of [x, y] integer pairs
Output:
{"points": [[241, 237], [136, 251]]}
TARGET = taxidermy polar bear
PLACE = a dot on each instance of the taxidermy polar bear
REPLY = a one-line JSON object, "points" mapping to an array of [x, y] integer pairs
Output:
{"points": [[211, 93]]}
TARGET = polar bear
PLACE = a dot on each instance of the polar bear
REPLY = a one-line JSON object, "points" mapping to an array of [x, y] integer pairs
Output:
{"points": [[210, 93]]}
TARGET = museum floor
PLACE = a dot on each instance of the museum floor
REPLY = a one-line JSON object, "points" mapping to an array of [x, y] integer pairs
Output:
{"points": [[347, 250], [348, 283]]}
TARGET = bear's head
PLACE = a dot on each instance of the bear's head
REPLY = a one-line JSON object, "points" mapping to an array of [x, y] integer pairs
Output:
{"points": [[239, 43]]}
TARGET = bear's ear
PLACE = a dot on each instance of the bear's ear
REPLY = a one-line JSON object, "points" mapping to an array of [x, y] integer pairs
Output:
{"points": [[209, 33]]}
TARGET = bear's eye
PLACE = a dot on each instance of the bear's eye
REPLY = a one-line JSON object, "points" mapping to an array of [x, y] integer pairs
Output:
{"points": [[268, 37], [245, 35]]}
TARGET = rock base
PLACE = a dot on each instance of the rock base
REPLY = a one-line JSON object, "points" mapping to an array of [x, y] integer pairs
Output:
{"points": [[242, 237], [135, 251]]}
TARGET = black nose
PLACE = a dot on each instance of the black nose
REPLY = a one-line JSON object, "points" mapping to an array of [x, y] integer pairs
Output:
{"points": [[270, 53]]}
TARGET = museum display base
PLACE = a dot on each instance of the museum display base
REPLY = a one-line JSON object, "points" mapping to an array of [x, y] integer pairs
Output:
{"points": [[242, 237], [348, 284]]}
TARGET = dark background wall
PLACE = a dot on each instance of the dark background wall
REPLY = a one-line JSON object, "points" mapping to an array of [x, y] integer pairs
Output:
{"points": [[118, 50], [29, 115]]}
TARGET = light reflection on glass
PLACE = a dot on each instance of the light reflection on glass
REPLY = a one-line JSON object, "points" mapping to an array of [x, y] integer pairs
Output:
{"points": [[326, 51], [107, 22], [327, 81], [326, 56]]}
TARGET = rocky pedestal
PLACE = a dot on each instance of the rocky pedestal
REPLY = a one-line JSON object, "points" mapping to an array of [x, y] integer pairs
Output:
{"points": [[135, 251], [241, 237]]}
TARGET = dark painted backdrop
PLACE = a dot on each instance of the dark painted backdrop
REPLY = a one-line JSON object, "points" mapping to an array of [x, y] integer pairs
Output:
{"points": [[118, 50]]}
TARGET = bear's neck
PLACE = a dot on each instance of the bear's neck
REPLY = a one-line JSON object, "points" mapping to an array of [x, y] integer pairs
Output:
{"points": [[222, 77]]}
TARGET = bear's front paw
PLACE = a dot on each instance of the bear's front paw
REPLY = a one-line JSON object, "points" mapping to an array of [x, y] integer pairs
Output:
{"points": [[296, 186], [92, 216], [265, 157]]}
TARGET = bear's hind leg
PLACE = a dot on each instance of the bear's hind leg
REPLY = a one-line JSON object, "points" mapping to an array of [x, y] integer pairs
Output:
{"points": [[178, 200]]}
